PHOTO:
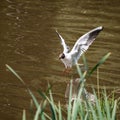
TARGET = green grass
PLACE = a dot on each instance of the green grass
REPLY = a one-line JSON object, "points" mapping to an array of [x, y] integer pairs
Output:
{"points": [[104, 108]]}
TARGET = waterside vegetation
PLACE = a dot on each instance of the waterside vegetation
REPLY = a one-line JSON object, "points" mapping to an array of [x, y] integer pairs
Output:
{"points": [[103, 107]]}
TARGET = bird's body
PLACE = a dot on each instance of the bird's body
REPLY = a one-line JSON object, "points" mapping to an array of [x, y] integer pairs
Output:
{"points": [[70, 58]]}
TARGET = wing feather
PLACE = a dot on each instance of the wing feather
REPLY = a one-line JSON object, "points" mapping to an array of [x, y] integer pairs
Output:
{"points": [[65, 47], [84, 42]]}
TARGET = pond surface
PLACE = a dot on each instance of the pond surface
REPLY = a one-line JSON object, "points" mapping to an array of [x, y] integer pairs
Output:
{"points": [[29, 44]]}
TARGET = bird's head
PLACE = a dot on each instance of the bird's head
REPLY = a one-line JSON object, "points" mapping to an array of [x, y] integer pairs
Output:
{"points": [[62, 56]]}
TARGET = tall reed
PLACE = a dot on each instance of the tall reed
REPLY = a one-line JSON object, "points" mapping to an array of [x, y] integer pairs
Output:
{"points": [[102, 109]]}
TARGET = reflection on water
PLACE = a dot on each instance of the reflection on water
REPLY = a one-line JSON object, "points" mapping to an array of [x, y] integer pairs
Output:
{"points": [[30, 45]]}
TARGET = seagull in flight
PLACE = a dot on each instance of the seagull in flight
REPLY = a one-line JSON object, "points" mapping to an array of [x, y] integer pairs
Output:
{"points": [[70, 58]]}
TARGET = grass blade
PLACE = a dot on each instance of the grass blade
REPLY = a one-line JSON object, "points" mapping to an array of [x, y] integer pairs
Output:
{"points": [[69, 103], [31, 94], [52, 106], [24, 115], [59, 113], [114, 110], [40, 112], [98, 106], [37, 113], [85, 61], [75, 109], [107, 107], [42, 94], [86, 116], [53, 112], [9, 68], [82, 112], [29, 91], [94, 116], [99, 63], [79, 70]]}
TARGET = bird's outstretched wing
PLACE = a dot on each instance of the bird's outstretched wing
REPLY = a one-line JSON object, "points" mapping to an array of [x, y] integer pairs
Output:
{"points": [[84, 42], [65, 47]]}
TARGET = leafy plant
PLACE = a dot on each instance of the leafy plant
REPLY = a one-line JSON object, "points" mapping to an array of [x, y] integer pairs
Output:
{"points": [[102, 109]]}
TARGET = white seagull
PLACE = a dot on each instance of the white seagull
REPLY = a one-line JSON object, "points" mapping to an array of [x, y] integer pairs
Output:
{"points": [[70, 58]]}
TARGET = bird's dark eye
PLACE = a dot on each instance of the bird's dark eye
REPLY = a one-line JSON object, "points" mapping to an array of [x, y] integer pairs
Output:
{"points": [[63, 56]]}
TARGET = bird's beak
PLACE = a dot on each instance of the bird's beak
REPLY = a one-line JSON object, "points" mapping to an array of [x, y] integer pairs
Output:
{"points": [[59, 57]]}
